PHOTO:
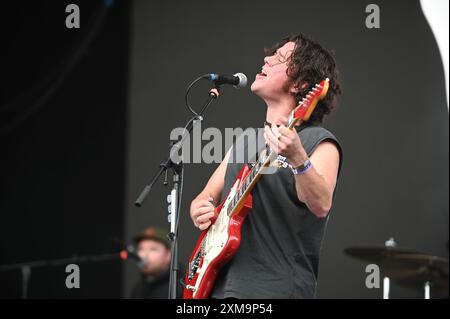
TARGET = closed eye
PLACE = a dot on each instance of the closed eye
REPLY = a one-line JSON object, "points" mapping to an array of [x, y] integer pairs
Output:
{"points": [[281, 58]]}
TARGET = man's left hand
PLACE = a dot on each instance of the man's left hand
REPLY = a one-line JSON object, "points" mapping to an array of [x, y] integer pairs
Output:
{"points": [[285, 142]]}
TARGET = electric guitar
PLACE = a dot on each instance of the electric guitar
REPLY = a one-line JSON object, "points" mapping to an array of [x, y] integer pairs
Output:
{"points": [[217, 244]]}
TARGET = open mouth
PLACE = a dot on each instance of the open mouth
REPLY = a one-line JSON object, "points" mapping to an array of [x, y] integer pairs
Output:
{"points": [[262, 73]]}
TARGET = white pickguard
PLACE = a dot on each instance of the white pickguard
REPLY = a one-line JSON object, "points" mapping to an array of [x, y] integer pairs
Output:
{"points": [[216, 237]]}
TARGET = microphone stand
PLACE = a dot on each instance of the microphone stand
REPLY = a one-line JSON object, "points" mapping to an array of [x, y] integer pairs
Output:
{"points": [[174, 198]]}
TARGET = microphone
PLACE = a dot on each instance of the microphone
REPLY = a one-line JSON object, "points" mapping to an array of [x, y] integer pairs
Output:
{"points": [[130, 253], [238, 80]]}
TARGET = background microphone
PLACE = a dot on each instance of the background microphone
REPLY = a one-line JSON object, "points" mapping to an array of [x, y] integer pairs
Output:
{"points": [[238, 80], [130, 253]]}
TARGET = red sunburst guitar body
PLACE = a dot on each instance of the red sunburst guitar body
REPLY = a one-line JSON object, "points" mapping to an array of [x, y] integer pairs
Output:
{"points": [[218, 246]]}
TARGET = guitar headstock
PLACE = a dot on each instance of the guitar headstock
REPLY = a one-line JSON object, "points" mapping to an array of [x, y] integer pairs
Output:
{"points": [[307, 105]]}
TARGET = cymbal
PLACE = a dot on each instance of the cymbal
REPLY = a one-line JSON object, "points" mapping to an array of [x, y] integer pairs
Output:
{"points": [[418, 269], [377, 254], [406, 267]]}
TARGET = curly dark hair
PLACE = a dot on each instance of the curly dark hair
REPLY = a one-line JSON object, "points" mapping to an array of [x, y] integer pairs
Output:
{"points": [[311, 63]]}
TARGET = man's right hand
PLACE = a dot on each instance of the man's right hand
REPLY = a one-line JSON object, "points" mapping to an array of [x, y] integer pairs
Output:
{"points": [[202, 211]]}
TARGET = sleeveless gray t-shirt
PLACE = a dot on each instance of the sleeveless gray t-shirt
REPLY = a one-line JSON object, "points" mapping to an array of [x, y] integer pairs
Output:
{"points": [[281, 239]]}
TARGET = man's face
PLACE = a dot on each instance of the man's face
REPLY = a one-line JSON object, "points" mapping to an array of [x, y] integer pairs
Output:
{"points": [[156, 254], [271, 82]]}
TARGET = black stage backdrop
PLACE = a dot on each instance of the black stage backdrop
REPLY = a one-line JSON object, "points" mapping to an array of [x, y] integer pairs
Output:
{"points": [[71, 171], [62, 168]]}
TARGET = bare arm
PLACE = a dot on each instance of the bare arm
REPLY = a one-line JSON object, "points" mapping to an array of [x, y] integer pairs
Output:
{"points": [[315, 187], [202, 208]]}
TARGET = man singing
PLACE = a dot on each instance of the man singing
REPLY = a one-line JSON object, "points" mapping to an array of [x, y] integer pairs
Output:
{"points": [[282, 235]]}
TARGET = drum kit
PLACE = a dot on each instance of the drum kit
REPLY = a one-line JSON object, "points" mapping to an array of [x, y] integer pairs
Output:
{"points": [[406, 267]]}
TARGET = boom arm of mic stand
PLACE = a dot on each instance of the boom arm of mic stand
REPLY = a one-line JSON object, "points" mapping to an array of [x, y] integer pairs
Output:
{"points": [[148, 187]]}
